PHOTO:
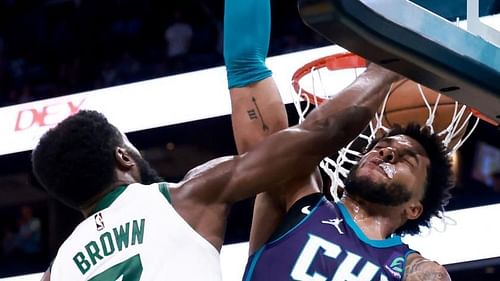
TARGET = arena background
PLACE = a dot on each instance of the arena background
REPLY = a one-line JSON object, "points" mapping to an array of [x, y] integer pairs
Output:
{"points": [[50, 50]]}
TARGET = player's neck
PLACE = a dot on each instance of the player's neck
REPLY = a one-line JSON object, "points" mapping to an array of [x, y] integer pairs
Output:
{"points": [[89, 208], [377, 221]]}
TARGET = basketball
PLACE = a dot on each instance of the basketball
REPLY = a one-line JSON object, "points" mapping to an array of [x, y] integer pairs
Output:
{"points": [[406, 104]]}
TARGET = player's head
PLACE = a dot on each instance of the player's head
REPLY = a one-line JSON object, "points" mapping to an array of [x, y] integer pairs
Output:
{"points": [[407, 168], [82, 157]]}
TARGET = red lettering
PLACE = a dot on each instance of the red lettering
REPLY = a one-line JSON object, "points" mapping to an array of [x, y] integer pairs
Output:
{"points": [[53, 114], [74, 109], [22, 123], [49, 115]]}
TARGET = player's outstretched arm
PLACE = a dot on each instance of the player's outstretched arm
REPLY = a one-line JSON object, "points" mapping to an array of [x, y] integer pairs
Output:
{"points": [[353, 107], [293, 154], [288, 156], [257, 109], [419, 268]]}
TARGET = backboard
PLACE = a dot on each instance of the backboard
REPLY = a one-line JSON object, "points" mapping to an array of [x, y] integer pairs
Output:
{"points": [[417, 43]]}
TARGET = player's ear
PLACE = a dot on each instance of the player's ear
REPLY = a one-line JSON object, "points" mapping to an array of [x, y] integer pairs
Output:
{"points": [[414, 210], [123, 159]]}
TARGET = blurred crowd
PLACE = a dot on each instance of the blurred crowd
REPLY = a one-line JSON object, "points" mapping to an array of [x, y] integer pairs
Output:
{"points": [[57, 47], [22, 247]]}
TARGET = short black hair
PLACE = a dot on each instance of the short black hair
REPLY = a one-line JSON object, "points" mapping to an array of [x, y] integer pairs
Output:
{"points": [[440, 178], [75, 161]]}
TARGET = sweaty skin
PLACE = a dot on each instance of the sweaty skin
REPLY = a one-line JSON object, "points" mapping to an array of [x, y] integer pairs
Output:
{"points": [[376, 221]]}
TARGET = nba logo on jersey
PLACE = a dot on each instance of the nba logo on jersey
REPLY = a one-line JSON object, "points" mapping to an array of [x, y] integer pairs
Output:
{"points": [[99, 222]]}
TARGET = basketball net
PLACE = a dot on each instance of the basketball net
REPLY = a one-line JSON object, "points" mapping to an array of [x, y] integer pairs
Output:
{"points": [[310, 88]]}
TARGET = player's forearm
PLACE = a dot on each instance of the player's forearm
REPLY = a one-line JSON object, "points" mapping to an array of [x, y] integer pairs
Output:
{"points": [[257, 112], [295, 152], [276, 161], [343, 117], [257, 109]]}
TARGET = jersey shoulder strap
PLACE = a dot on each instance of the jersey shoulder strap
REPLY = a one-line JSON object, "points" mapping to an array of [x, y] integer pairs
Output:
{"points": [[163, 188]]}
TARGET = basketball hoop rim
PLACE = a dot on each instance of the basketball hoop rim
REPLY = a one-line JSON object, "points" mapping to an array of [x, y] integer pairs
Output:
{"points": [[342, 61], [338, 61], [454, 133]]}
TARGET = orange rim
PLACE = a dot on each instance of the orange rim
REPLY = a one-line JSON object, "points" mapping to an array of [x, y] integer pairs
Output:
{"points": [[483, 117], [347, 61], [332, 62]]}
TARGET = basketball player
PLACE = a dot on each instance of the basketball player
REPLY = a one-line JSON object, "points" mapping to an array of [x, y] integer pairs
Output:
{"points": [[399, 184], [139, 228]]}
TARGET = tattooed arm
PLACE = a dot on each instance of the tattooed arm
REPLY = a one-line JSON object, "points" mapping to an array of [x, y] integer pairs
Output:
{"points": [[419, 268], [257, 109]]}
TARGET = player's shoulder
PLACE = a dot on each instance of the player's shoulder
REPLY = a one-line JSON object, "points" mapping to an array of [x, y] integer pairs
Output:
{"points": [[418, 266], [202, 168], [193, 183]]}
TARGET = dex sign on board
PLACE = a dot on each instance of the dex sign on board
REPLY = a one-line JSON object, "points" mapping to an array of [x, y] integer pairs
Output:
{"points": [[143, 105], [47, 115]]}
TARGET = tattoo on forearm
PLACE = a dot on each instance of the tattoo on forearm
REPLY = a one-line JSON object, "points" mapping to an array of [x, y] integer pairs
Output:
{"points": [[255, 114], [252, 114], [426, 270]]}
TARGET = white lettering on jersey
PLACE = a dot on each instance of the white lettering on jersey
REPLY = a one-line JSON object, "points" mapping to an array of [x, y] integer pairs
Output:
{"points": [[306, 257], [332, 250], [344, 271]]}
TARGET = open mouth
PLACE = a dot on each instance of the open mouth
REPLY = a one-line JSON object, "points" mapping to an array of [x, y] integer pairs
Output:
{"points": [[388, 169]]}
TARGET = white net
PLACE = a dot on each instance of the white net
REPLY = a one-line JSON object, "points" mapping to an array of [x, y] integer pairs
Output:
{"points": [[318, 83]]}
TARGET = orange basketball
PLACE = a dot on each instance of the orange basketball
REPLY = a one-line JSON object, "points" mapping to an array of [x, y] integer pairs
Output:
{"points": [[405, 105]]}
